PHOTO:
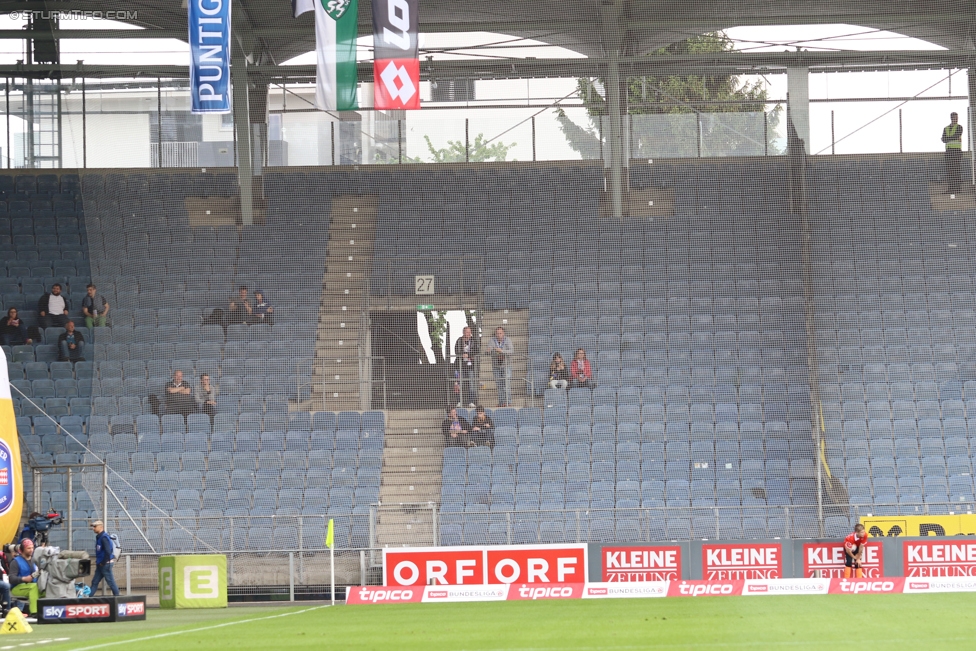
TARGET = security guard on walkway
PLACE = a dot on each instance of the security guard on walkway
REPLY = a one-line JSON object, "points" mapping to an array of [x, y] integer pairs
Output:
{"points": [[952, 137]]}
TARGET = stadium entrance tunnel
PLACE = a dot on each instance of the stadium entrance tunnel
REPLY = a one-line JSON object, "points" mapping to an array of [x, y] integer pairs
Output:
{"points": [[401, 365]]}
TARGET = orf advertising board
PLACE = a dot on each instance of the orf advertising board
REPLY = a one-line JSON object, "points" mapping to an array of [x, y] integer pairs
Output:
{"points": [[640, 564], [484, 565], [826, 560], [736, 562], [939, 558]]}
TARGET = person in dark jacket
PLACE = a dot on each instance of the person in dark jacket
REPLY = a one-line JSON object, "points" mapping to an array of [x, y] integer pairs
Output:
{"points": [[482, 428], [558, 373], [456, 430], [13, 330], [239, 308], [263, 311], [466, 351], [103, 559], [71, 344]]}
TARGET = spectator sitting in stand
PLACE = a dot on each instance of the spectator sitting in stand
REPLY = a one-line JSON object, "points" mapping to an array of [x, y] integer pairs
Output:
{"points": [[482, 428], [581, 371], [238, 308], [262, 312], [13, 330], [71, 344], [95, 308], [456, 430], [558, 373], [206, 397], [179, 396], [52, 308]]}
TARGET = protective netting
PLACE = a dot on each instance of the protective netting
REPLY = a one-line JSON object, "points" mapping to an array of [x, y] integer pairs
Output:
{"points": [[775, 346]]}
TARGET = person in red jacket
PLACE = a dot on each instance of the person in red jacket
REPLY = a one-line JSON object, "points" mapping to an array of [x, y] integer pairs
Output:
{"points": [[854, 551], [581, 371]]}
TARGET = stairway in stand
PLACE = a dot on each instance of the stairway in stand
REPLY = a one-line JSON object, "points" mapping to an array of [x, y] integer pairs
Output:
{"points": [[349, 264], [410, 484]]}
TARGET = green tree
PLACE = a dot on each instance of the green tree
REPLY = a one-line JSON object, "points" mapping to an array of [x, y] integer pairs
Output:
{"points": [[479, 152], [679, 97], [437, 327]]}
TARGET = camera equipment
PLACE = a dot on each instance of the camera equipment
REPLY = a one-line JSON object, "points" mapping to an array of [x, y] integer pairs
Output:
{"points": [[40, 524]]}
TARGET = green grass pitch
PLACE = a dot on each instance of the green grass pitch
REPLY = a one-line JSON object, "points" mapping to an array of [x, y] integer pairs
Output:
{"points": [[816, 622]]}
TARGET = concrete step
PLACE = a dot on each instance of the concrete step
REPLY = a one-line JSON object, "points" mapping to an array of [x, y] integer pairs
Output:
{"points": [[412, 467], [421, 494], [398, 454], [349, 256], [406, 476]]}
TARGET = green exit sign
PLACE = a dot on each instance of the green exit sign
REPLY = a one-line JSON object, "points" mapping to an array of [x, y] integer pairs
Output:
{"points": [[424, 308]]}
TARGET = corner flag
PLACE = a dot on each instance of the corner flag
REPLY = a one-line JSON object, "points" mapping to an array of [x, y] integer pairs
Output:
{"points": [[330, 543]]}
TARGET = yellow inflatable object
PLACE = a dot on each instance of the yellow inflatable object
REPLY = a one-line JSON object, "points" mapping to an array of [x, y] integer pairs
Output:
{"points": [[11, 482]]}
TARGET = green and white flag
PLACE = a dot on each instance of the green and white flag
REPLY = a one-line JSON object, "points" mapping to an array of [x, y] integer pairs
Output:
{"points": [[336, 29]]}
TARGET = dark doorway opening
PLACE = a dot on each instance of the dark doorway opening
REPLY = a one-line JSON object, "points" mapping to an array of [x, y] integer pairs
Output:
{"points": [[413, 381]]}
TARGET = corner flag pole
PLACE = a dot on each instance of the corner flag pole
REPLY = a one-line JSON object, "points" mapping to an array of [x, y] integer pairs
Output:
{"points": [[330, 543]]}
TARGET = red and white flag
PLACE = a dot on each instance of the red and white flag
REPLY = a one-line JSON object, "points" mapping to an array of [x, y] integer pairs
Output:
{"points": [[396, 67]]}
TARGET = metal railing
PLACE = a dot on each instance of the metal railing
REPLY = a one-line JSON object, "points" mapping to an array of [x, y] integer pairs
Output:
{"points": [[298, 570], [38, 472], [234, 534], [367, 372], [526, 381], [303, 388], [275, 575], [175, 154]]}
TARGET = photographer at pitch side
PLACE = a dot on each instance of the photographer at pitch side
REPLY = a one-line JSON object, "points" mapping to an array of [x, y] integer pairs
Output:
{"points": [[103, 559]]}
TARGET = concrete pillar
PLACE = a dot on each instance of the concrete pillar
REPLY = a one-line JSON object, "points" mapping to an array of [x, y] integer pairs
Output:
{"points": [[257, 104], [615, 136], [242, 132], [798, 102]]}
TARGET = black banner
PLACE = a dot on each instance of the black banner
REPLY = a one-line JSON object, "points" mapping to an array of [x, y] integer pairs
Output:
{"points": [[396, 68]]}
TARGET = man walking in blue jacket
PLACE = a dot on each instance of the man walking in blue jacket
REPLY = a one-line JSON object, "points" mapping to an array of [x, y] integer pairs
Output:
{"points": [[103, 559]]}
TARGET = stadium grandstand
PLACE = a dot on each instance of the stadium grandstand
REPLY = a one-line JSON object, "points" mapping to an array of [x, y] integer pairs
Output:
{"points": [[778, 312]]}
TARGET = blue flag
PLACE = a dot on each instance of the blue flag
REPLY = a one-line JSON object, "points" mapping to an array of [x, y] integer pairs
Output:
{"points": [[209, 24]]}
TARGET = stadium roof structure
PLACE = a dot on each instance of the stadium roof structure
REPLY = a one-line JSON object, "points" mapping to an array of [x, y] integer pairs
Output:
{"points": [[627, 29], [614, 38]]}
